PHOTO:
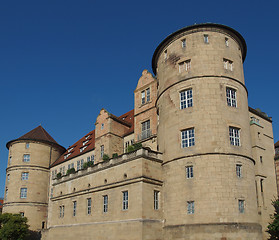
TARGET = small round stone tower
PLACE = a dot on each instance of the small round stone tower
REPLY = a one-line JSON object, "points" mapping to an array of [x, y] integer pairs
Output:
{"points": [[204, 135], [27, 180]]}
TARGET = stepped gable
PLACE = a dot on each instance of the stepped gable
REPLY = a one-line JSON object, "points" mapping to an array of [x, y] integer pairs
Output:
{"points": [[37, 134], [87, 142]]}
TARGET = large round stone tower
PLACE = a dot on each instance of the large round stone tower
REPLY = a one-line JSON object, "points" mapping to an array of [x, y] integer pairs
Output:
{"points": [[27, 180], [204, 135]]}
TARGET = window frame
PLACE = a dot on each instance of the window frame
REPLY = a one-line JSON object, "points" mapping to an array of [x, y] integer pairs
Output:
{"points": [[156, 199], [183, 43], [102, 150], [145, 129], [186, 98], [234, 134], [189, 171], [23, 193], [24, 176], [125, 200], [26, 157], [231, 97], [238, 169], [241, 205], [89, 205], [74, 208], [105, 203], [188, 138], [206, 38], [190, 207]]}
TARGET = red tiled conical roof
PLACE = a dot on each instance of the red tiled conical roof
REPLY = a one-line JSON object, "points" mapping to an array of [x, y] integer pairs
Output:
{"points": [[37, 134]]}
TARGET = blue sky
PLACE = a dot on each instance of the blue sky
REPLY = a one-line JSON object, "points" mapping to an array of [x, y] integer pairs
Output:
{"points": [[62, 61]]}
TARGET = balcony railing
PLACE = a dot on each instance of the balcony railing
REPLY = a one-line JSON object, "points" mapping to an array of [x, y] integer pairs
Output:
{"points": [[144, 134]]}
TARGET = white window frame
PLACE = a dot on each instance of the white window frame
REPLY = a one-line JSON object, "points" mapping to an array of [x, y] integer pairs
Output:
{"points": [[105, 203], [228, 64], [231, 97], [89, 205], [143, 97], [26, 157], [27, 145], [78, 165], [147, 95], [189, 171], [186, 98], [234, 134], [206, 38], [188, 138], [23, 193], [190, 207], [238, 169], [125, 200], [226, 41], [24, 175], [156, 199], [145, 129], [184, 66]]}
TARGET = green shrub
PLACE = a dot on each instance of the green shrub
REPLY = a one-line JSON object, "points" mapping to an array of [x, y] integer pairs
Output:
{"points": [[114, 155], [105, 157], [59, 175], [71, 170], [90, 164], [134, 147], [85, 165]]}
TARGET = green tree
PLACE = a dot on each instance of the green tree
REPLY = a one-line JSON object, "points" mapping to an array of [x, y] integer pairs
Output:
{"points": [[13, 227], [273, 227]]}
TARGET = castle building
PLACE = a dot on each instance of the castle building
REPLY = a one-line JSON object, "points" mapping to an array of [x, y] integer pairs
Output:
{"points": [[190, 161]]}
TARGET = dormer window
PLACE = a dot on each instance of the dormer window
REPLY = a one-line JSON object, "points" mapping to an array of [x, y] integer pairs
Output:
{"points": [[70, 149], [87, 137], [85, 142], [82, 149], [67, 155]]}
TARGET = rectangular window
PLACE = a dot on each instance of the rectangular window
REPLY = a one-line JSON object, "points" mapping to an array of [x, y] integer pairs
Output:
{"points": [[228, 64], [8, 177], [63, 210], [102, 151], [78, 165], [143, 97], [6, 195], [183, 43], [127, 144], [145, 130], [89, 201], [81, 163], [105, 203], [234, 136], [63, 170], [184, 66], [205, 38], [241, 206], [102, 126], [156, 200], [27, 145], [60, 211], [231, 97], [26, 158], [51, 192], [23, 193], [238, 170], [72, 165], [88, 159], [165, 54], [125, 200], [190, 207], [21, 214], [24, 176], [227, 42], [92, 158], [74, 208], [148, 95], [186, 99], [189, 172], [188, 138]]}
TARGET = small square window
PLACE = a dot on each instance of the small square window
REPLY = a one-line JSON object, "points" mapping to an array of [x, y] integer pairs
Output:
{"points": [[24, 176], [184, 66], [190, 207], [26, 158], [21, 214]]}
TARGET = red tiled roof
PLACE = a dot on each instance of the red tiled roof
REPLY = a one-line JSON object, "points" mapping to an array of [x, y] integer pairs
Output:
{"points": [[37, 134], [1, 203], [74, 150], [276, 144]]}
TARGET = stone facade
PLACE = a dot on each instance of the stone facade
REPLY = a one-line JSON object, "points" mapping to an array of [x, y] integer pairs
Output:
{"points": [[204, 168]]}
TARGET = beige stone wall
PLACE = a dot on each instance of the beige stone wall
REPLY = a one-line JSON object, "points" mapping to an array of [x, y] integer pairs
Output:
{"points": [[215, 188], [139, 173], [34, 206], [263, 154]]}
